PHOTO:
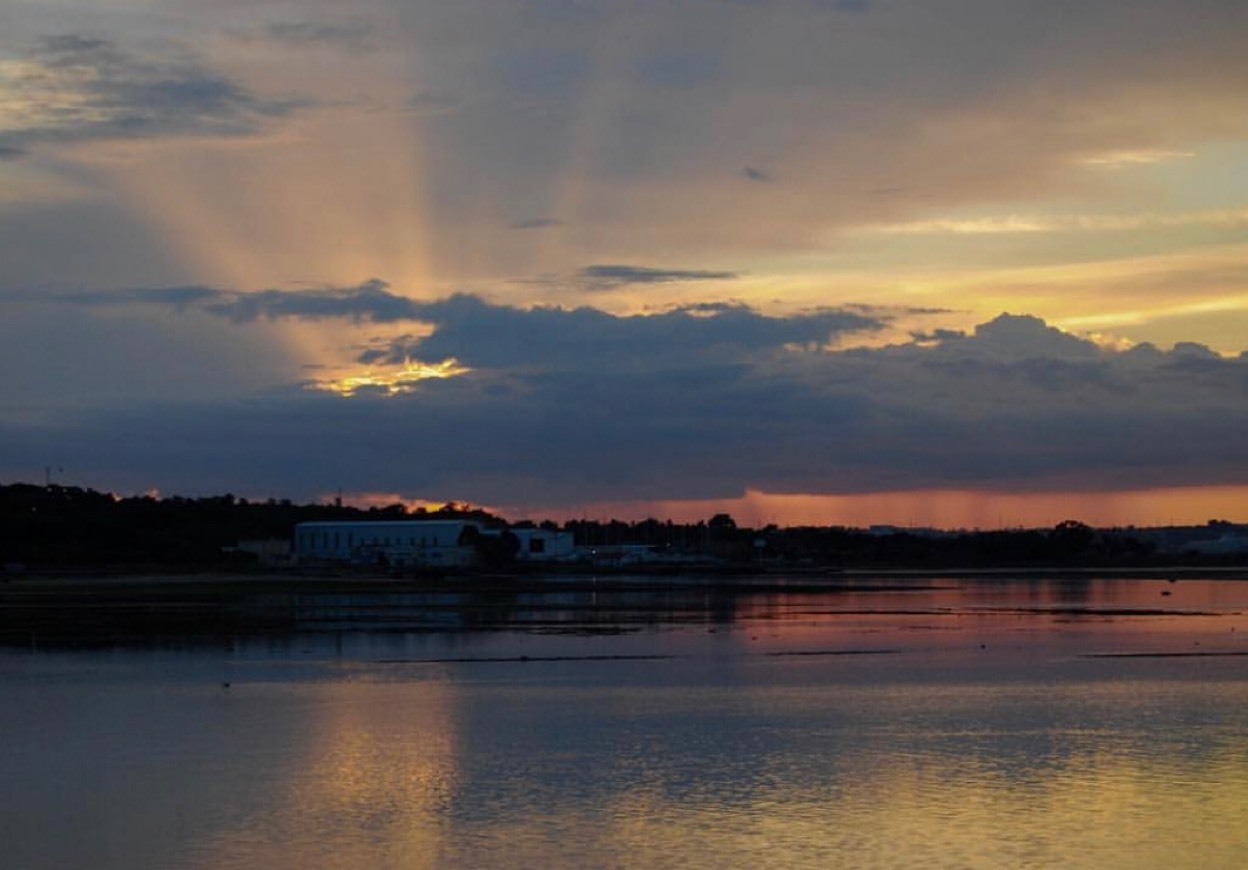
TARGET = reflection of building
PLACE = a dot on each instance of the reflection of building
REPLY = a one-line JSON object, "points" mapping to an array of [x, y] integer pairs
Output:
{"points": [[438, 543], [621, 555], [270, 552], [544, 545]]}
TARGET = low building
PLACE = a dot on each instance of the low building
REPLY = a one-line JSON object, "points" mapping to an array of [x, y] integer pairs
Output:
{"points": [[544, 545], [269, 552], [618, 555], [401, 543]]}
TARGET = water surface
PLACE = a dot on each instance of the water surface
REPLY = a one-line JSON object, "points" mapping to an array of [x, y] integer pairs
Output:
{"points": [[932, 721]]}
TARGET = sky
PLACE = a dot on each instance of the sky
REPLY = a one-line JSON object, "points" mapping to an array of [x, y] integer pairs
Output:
{"points": [[967, 264]]}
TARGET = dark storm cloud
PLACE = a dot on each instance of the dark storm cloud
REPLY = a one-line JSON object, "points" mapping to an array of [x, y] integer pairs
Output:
{"points": [[565, 406], [486, 335], [1017, 404], [79, 88], [705, 418], [483, 335]]}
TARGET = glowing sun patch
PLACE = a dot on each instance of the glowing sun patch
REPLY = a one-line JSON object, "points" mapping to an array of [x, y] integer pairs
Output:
{"points": [[393, 383]]}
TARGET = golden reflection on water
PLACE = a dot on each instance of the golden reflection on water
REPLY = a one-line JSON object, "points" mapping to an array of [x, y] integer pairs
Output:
{"points": [[393, 775], [368, 787], [1096, 812]]}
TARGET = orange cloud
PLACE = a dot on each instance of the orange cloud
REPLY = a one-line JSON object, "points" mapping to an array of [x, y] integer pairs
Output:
{"points": [[949, 509]]}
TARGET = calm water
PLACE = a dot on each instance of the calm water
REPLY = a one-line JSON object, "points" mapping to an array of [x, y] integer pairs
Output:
{"points": [[948, 723]]}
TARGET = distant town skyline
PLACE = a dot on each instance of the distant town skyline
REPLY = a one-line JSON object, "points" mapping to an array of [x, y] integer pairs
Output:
{"points": [[956, 264]]}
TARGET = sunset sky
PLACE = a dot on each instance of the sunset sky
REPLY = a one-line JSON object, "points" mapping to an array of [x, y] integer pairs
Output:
{"points": [[978, 263]]}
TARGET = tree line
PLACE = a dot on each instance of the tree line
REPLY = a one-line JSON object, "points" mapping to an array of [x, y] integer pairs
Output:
{"points": [[75, 527]]}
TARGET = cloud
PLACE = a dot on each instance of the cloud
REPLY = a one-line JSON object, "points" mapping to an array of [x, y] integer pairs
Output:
{"points": [[73, 88], [548, 339], [934, 335], [578, 405], [484, 334], [181, 297], [891, 118], [432, 102], [676, 69], [610, 277], [537, 223], [1011, 224], [351, 36], [898, 96], [1135, 157], [370, 301]]}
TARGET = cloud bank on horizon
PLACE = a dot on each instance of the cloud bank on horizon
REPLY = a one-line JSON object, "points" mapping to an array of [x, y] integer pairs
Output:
{"points": [[561, 406], [676, 250]]}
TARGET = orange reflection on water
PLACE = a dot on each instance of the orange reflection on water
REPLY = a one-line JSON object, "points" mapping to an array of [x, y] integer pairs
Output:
{"points": [[995, 618]]}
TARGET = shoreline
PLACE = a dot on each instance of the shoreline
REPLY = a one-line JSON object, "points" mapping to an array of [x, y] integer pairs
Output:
{"points": [[562, 577], [65, 610]]}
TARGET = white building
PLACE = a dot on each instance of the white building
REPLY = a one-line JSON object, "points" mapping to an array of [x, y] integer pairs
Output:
{"points": [[544, 545], [434, 543]]}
